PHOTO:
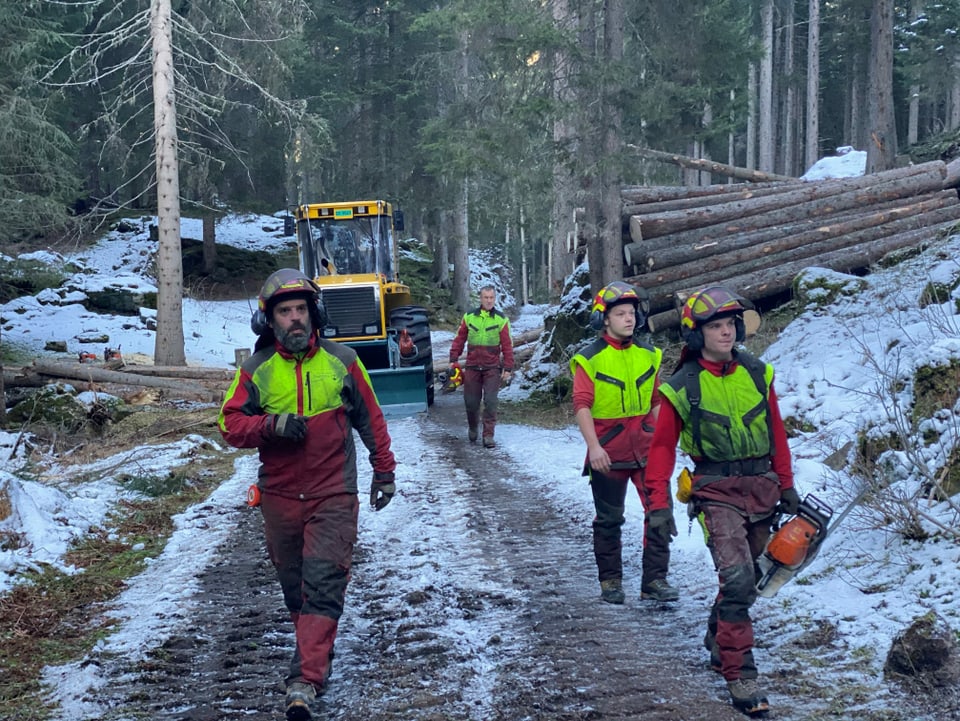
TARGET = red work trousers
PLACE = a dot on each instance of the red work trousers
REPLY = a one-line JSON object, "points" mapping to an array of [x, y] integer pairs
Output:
{"points": [[481, 385], [310, 543]]}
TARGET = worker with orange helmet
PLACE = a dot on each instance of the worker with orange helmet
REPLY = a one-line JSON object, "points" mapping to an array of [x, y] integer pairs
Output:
{"points": [[615, 402], [722, 409]]}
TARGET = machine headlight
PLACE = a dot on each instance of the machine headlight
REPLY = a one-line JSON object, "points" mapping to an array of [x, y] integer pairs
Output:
{"points": [[371, 329]]}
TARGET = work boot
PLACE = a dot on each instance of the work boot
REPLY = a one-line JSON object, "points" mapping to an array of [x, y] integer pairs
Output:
{"points": [[611, 591], [472, 434], [747, 696], [488, 442], [299, 697], [659, 590]]}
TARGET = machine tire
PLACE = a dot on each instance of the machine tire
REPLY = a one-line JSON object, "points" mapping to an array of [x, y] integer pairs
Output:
{"points": [[414, 319]]}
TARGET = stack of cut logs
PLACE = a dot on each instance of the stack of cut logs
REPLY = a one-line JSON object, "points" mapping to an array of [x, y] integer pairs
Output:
{"points": [[756, 237]]}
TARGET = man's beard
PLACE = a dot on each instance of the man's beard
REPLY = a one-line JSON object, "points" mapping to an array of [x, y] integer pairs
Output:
{"points": [[295, 343]]}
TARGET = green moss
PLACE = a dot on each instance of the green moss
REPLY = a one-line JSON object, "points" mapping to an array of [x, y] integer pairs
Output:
{"points": [[935, 388], [937, 293]]}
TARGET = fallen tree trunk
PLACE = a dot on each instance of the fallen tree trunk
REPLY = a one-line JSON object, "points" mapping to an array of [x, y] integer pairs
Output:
{"points": [[92, 374], [663, 206], [658, 193], [778, 279], [758, 257], [192, 372], [785, 237], [952, 180], [708, 165], [817, 199]]}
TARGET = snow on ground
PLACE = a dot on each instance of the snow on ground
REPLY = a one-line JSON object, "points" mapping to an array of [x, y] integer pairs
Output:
{"points": [[836, 366]]}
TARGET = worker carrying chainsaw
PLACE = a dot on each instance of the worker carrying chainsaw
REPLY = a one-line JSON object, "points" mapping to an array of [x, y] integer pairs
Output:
{"points": [[615, 403], [486, 334], [298, 400], [722, 408]]}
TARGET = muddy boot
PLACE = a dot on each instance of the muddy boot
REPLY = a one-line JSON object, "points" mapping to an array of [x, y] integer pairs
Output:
{"points": [[299, 697], [659, 590], [473, 434], [488, 442], [611, 591], [747, 696]]}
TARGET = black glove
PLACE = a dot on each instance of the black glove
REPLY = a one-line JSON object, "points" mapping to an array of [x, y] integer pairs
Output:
{"points": [[789, 501], [381, 490], [288, 426], [661, 523]]}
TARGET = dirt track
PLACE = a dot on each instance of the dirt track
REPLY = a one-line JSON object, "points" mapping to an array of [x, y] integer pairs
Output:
{"points": [[550, 649]]}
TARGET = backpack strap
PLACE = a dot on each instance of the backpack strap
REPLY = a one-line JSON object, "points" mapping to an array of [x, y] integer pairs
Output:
{"points": [[691, 383]]}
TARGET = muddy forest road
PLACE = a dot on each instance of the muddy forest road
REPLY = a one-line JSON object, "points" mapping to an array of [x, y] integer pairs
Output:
{"points": [[472, 599]]}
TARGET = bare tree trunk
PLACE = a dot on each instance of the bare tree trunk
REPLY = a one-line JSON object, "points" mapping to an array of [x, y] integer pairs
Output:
{"points": [[209, 244], [459, 242], [564, 179], [767, 148], [524, 271], [169, 349], [751, 161], [813, 86], [612, 146], [790, 102], [955, 96], [3, 395], [882, 146]]}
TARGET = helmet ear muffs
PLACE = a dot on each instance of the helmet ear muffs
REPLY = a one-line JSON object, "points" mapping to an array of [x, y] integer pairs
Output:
{"points": [[596, 320], [693, 337], [318, 315], [741, 329], [258, 322]]}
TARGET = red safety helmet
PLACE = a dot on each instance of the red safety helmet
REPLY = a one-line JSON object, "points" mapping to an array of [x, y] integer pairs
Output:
{"points": [[615, 293], [278, 286], [706, 305]]}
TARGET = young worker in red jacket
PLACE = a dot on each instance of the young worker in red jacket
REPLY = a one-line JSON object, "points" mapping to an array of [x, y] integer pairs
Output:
{"points": [[298, 399], [486, 334], [615, 402], [722, 408]]}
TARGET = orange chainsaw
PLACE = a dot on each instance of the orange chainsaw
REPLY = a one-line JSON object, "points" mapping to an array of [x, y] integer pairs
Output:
{"points": [[793, 545]]}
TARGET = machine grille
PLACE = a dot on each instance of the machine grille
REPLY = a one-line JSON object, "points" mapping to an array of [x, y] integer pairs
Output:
{"points": [[350, 308]]}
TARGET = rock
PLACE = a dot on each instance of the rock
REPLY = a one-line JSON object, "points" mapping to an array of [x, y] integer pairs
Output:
{"points": [[54, 405], [925, 654], [57, 346]]}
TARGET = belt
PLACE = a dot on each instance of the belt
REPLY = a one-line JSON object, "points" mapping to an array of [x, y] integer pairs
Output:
{"points": [[746, 467]]}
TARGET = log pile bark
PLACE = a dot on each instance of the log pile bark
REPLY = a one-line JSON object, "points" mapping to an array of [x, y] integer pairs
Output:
{"points": [[755, 237]]}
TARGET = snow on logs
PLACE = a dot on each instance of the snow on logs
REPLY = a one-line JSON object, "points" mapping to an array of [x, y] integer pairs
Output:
{"points": [[756, 237]]}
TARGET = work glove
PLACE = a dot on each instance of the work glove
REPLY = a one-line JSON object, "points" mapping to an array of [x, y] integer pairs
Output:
{"points": [[287, 426], [661, 522], [381, 490], [789, 501]]}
